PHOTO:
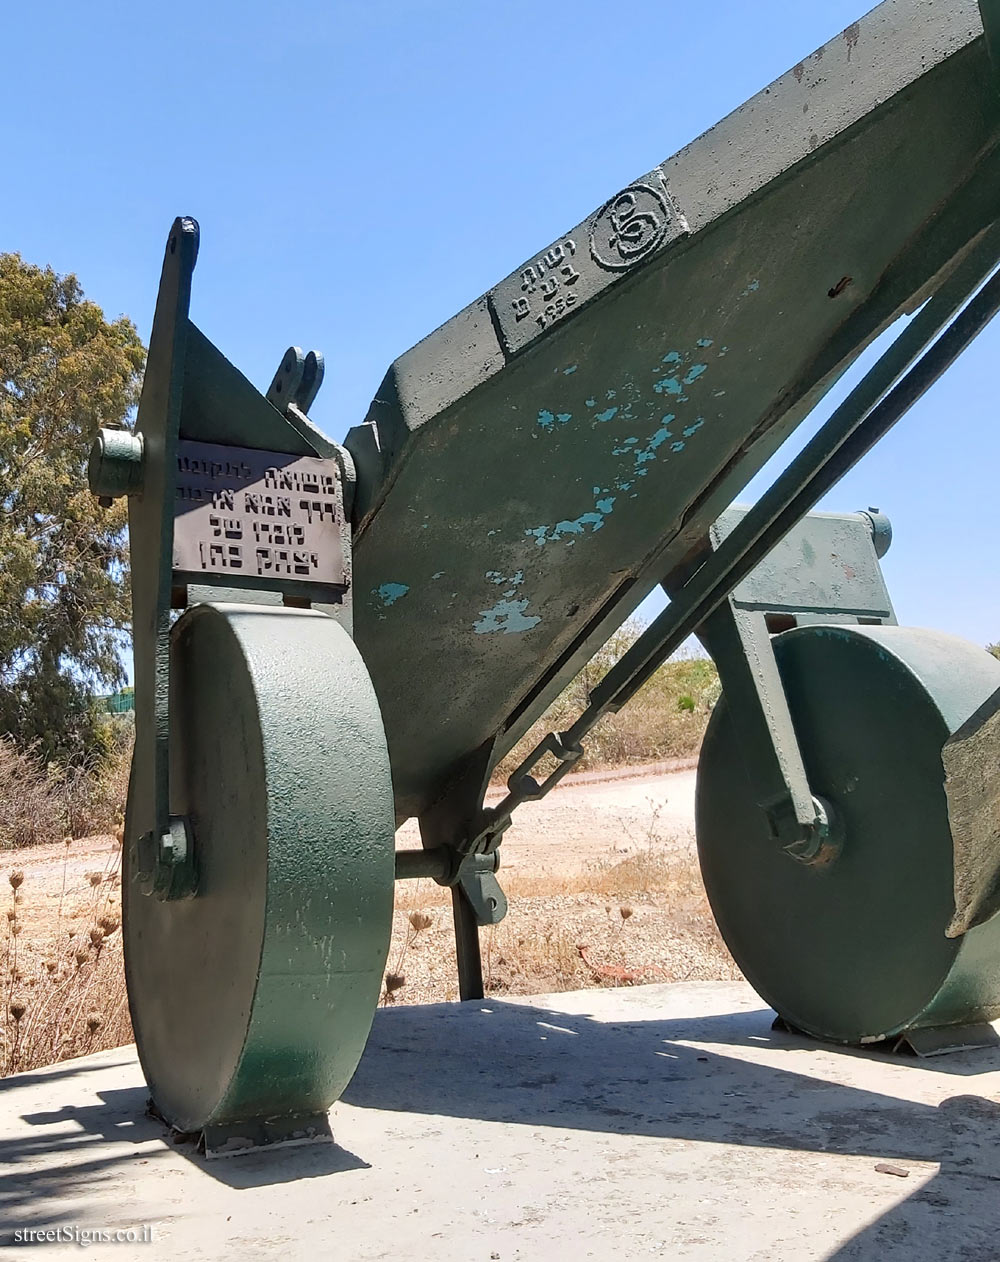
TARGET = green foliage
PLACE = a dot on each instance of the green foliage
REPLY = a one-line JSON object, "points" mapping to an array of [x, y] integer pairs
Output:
{"points": [[994, 649], [65, 371]]}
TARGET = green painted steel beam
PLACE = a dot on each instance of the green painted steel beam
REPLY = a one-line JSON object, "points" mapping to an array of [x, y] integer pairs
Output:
{"points": [[531, 470]]}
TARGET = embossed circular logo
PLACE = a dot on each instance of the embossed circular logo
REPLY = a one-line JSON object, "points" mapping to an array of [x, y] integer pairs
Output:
{"points": [[629, 227]]}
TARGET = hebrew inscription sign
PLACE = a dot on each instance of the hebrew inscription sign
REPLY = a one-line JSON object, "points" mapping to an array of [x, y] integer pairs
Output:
{"points": [[631, 227], [257, 515]]}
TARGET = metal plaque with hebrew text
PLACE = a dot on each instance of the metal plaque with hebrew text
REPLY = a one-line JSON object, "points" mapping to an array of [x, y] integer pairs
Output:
{"points": [[262, 516]]}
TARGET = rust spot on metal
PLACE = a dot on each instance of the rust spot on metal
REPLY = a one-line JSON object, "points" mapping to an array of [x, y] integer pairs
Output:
{"points": [[798, 71], [840, 286], [851, 36]]}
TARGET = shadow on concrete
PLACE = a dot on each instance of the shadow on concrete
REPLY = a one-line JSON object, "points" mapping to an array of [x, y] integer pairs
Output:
{"points": [[528, 1066], [746, 1084], [74, 1143]]}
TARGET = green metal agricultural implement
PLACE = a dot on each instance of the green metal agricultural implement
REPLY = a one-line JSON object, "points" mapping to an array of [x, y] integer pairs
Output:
{"points": [[368, 627]]}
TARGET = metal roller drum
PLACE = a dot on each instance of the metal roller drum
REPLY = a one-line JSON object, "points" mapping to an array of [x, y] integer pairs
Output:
{"points": [[254, 998], [853, 948]]}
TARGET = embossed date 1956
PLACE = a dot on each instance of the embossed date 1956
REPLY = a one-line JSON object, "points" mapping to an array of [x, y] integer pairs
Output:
{"points": [[547, 285]]}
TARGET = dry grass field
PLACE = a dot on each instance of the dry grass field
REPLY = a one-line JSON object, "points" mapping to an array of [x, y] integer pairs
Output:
{"points": [[602, 880]]}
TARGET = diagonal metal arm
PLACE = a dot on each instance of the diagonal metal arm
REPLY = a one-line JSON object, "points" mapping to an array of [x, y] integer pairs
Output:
{"points": [[875, 404]]}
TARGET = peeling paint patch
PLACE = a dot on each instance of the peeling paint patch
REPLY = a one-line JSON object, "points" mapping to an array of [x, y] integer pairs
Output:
{"points": [[667, 385], [623, 450], [389, 593], [591, 403], [694, 428], [563, 417], [439, 574], [562, 529], [507, 616], [546, 420], [607, 415], [704, 343], [693, 373], [568, 372], [750, 289]]}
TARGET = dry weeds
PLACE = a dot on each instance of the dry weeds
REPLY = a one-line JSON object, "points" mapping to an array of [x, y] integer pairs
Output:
{"points": [[623, 918], [61, 976]]}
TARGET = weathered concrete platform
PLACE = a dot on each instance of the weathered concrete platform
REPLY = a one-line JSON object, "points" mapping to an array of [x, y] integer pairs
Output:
{"points": [[665, 1121]]}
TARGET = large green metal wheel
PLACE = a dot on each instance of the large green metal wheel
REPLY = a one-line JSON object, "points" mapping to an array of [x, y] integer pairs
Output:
{"points": [[252, 1000], [854, 950]]}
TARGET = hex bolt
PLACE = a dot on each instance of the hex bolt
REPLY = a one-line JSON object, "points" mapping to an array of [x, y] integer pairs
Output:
{"points": [[115, 465]]}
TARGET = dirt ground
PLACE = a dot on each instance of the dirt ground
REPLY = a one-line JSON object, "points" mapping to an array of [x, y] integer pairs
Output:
{"points": [[602, 879], [603, 884]]}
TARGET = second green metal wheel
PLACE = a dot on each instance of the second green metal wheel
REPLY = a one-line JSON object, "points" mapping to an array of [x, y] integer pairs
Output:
{"points": [[855, 950]]}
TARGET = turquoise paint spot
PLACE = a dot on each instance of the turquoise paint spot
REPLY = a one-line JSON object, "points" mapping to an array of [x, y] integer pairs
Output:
{"points": [[693, 373], [591, 403], [750, 289], [566, 529], [439, 574], [563, 417], [546, 420], [389, 593], [667, 385], [609, 415], [568, 372], [611, 394], [677, 446], [507, 616], [671, 357], [693, 429], [660, 437], [704, 342], [723, 351], [625, 486], [495, 577]]}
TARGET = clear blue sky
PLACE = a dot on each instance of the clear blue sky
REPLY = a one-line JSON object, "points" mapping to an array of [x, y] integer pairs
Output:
{"points": [[362, 170]]}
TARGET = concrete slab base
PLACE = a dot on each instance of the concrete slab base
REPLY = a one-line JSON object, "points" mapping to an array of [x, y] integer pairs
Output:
{"points": [[658, 1121]]}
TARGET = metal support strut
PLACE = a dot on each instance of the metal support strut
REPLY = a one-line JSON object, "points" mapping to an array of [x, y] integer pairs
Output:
{"points": [[887, 391]]}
